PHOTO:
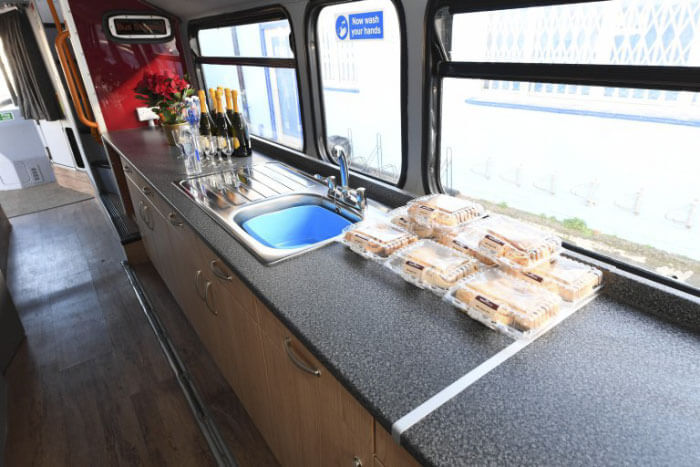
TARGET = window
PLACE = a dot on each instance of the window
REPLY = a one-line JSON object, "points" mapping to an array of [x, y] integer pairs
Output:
{"points": [[359, 54], [256, 59], [6, 93], [583, 118]]}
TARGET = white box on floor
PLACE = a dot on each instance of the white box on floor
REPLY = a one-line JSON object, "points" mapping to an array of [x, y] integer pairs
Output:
{"points": [[23, 159]]}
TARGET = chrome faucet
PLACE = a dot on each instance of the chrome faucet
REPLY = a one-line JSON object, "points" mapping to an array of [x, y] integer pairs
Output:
{"points": [[355, 198], [343, 163]]}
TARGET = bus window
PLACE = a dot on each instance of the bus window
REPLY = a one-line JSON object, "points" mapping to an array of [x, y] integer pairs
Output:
{"points": [[359, 53], [269, 94], [6, 97], [612, 168]]}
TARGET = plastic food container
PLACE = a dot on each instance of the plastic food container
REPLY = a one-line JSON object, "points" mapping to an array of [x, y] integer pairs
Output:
{"points": [[432, 266], [466, 242], [439, 212], [505, 303], [376, 239], [509, 242], [571, 279], [399, 217]]}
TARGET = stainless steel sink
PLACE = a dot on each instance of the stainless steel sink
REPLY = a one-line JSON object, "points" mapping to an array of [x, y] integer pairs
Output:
{"points": [[235, 196]]}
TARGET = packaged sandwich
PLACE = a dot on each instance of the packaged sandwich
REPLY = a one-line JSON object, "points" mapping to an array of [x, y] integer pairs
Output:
{"points": [[505, 303], [571, 279], [510, 242], [466, 242], [442, 212], [400, 218], [376, 239], [430, 265]]}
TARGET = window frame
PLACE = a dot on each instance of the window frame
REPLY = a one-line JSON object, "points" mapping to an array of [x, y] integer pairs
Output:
{"points": [[256, 15], [314, 63], [438, 67]]}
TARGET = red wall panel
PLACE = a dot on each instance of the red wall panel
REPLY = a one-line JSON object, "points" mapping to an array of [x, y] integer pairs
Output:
{"points": [[117, 68]]}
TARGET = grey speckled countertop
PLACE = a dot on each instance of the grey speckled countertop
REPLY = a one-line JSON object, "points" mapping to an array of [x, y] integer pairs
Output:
{"points": [[610, 386], [394, 346]]}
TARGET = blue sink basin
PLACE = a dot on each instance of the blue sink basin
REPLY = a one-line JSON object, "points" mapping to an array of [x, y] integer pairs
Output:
{"points": [[295, 227]]}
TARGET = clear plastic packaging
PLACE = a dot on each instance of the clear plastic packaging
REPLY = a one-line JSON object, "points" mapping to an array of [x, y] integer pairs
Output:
{"points": [[439, 212], [466, 242], [509, 242], [399, 217], [571, 279], [430, 265], [505, 303], [376, 239]]}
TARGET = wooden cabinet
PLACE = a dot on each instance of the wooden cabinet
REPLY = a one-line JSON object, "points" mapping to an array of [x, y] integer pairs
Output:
{"points": [[307, 417], [389, 454], [318, 423]]}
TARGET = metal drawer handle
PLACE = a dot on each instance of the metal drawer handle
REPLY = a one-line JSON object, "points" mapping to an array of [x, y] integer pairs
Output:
{"points": [[218, 272], [174, 220], [296, 360], [357, 462], [127, 169], [197, 275], [206, 298], [147, 190]]}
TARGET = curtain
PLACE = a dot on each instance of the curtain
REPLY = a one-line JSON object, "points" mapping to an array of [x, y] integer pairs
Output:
{"points": [[36, 97]]}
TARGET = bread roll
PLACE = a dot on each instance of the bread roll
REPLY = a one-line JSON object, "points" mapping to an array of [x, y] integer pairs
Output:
{"points": [[435, 266], [458, 241], [378, 238], [443, 211], [571, 279], [507, 300]]}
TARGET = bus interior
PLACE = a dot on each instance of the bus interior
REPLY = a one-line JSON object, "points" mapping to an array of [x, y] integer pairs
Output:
{"points": [[349, 232]]}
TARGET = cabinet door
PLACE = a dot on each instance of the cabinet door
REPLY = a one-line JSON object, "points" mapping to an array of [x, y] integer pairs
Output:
{"points": [[346, 427], [241, 356], [388, 453], [141, 210], [293, 378], [160, 244], [317, 421], [181, 239]]}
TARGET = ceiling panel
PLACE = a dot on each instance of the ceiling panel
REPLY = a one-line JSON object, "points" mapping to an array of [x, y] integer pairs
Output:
{"points": [[188, 9]]}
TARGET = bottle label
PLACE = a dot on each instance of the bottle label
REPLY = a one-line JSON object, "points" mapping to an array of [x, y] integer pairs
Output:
{"points": [[236, 143], [204, 142]]}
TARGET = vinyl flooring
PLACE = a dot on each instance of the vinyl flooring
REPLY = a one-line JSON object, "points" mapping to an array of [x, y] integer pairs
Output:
{"points": [[90, 385]]}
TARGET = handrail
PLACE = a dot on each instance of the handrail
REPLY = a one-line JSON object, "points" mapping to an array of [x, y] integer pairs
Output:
{"points": [[68, 66], [75, 86], [52, 7]]}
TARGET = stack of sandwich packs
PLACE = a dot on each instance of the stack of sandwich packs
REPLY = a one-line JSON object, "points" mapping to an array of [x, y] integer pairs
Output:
{"points": [[500, 271]]}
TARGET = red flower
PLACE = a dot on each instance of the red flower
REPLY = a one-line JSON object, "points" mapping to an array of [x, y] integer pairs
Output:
{"points": [[164, 92]]}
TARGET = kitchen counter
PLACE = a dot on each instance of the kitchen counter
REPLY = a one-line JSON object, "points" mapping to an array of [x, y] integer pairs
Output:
{"points": [[394, 346]]}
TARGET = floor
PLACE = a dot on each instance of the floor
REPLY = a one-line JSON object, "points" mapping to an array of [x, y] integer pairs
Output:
{"points": [[90, 385], [77, 180], [38, 198]]}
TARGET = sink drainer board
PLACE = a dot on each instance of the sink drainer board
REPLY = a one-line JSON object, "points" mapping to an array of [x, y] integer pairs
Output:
{"points": [[274, 210]]}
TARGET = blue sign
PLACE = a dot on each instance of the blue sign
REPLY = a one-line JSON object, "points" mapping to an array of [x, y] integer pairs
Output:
{"points": [[341, 27], [368, 25]]}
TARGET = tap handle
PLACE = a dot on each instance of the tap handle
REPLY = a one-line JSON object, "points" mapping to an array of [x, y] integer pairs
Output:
{"points": [[361, 197]]}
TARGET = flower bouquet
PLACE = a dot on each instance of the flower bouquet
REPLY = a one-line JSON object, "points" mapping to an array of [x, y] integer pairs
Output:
{"points": [[165, 94]]}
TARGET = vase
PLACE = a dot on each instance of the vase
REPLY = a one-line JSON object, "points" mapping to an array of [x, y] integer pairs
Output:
{"points": [[169, 129]]}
